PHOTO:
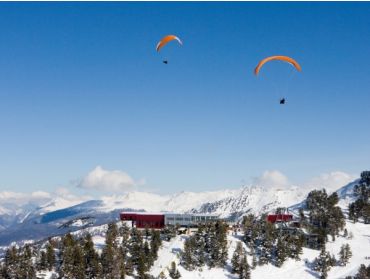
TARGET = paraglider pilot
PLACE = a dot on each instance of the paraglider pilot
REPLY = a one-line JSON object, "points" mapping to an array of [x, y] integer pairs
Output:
{"points": [[282, 101]]}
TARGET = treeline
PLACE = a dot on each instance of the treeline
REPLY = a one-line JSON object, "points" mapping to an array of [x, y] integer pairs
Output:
{"points": [[269, 244], [208, 246], [126, 252]]}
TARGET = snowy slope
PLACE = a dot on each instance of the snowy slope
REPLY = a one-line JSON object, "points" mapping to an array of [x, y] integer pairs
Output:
{"points": [[302, 269], [253, 199]]}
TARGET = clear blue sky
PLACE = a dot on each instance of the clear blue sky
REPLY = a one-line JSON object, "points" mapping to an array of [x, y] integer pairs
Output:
{"points": [[81, 85]]}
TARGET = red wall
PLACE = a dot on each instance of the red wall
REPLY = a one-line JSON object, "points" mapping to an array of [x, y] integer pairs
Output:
{"points": [[144, 220], [279, 217]]}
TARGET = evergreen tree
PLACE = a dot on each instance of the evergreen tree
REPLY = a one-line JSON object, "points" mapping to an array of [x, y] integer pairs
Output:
{"points": [[42, 262], [136, 245], [345, 254], [141, 266], [236, 259], [11, 263], [26, 268], [147, 253], [188, 256], [324, 217], [71, 259], [174, 273], [363, 272], [78, 269], [91, 258], [155, 243], [200, 248], [245, 272], [281, 254], [50, 256], [322, 263], [129, 267]]}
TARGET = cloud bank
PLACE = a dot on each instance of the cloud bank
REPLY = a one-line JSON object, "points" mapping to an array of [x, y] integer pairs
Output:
{"points": [[272, 179], [331, 181], [109, 181], [18, 198]]}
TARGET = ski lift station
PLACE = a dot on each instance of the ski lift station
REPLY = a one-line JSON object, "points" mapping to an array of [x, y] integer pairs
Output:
{"points": [[159, 220]]}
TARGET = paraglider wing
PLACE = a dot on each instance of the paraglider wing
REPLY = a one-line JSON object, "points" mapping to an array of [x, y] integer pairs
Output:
{"points": [[277, 57], [165, 40]]}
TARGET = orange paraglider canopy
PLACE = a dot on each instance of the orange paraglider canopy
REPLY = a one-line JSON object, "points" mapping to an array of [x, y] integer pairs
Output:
{"points": [[165, 40], [277, 57]]}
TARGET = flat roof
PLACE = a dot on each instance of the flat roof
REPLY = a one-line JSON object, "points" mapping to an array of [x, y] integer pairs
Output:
{"points": [[169, 213]]}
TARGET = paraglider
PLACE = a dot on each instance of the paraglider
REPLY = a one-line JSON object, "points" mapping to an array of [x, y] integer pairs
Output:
{"points": [[277, 57], [165, 40]]}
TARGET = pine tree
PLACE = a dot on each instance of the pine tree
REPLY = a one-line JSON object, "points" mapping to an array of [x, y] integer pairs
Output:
{"points": [[42, 262], [50, 256], [91, 258], [66, 269], [147, 253], [236, 259], [26, 268], [174, 273], [345, 254], [129, 267], [188, 255], [78, 270], [322, 263], [11, 263], [200, 248], [136, 245], [245, 272], [281, 254], [111, 257], [155, 243], [162, 275], [363, 272], [141, 266]]}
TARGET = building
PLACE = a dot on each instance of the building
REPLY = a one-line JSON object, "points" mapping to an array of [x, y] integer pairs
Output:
{"points": [[159, 220]]}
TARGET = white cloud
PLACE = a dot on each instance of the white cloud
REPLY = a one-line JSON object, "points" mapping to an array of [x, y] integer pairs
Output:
{"points": [[109, 181], [18, 198], [11, 200], [330, 181], [272, 178], [65, 193]]}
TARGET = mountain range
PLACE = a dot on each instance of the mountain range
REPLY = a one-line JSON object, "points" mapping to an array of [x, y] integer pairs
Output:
{"points": [[56, 217]]}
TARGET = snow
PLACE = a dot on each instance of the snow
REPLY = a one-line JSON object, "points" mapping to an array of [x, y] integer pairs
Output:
{"points": [[360, 246], [168, 253], [179, 202], [57, 204]]}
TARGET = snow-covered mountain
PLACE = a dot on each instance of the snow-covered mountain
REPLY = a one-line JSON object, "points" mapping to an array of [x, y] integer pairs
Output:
{"points": [[254, 199], [60, 215]]}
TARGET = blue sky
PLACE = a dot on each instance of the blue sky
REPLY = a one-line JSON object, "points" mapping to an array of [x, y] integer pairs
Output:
{"points": [[82, 86]]}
